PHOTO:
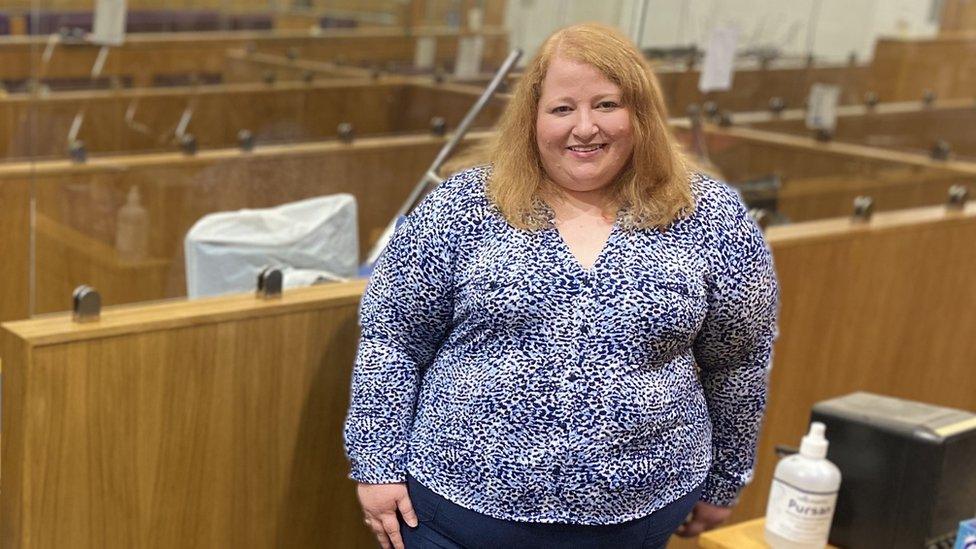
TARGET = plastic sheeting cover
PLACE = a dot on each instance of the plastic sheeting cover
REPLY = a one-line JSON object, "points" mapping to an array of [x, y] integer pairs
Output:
{"points": [[310, 240]]}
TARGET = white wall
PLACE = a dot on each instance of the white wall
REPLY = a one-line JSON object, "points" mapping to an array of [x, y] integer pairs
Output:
{"points": [[531, 21], [831, 29]]}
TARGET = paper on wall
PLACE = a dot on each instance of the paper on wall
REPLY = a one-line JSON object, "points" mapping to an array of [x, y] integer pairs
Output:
{"points": [[476, 18], [109, 27], [468, 61], [719, 65], [424, 52], [822, 106]]}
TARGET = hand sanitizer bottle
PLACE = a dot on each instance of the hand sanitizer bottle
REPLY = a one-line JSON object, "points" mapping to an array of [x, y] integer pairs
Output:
{"points": [[132, 228], [802, 497]]}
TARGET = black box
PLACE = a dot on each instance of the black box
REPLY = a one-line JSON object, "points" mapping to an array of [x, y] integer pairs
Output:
{"points": [[908, 471]]}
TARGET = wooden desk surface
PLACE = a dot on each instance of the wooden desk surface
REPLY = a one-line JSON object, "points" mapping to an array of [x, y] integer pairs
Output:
{"points": [[744, 535]]}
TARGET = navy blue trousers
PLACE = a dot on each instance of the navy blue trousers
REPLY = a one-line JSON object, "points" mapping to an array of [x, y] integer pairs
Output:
{"points": [[446, 525]]}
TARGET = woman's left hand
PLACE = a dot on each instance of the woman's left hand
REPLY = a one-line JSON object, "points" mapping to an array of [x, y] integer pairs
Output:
{"points": [[704, 516]]}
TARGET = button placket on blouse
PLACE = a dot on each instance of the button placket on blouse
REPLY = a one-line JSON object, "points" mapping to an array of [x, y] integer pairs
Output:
{"points": [[573, 382], [583, 317]]}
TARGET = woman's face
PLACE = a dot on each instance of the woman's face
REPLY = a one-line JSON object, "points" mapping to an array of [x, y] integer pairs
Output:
{"points": [[583, 130]]}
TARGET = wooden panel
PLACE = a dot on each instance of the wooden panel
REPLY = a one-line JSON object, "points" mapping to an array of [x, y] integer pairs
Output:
{"points": [[453, 12], [295, 20], [745, 535], [868, 308], [957, 15], [146, 120], [86, 5], [752, 88], [78, 205], [66, 258], [221, 428], [257, 67], [905, 126], [808, 198], [822, 179], [279, 112], [903, 68], [15, 200], [145, 57], [421, 102]]}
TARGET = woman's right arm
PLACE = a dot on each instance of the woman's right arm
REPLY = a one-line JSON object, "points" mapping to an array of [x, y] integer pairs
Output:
{"points": [[405, 315]]}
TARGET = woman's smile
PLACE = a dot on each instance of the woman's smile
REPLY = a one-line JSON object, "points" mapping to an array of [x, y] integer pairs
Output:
{"points": [[584, 152]]}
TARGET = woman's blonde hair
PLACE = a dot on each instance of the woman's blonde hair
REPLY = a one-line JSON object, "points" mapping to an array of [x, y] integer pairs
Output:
{"points": [[653, 188]]}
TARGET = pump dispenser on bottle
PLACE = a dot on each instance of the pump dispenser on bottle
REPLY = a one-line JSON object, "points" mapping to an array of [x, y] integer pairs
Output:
{"points": [[802, 497], [132, 228]]}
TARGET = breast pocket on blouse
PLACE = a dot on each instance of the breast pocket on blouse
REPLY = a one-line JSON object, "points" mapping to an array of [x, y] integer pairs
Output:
{"points": [[502, 297], [663, 311]]}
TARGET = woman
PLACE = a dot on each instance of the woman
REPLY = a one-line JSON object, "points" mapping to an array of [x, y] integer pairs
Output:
{"points": [[569, 347]]}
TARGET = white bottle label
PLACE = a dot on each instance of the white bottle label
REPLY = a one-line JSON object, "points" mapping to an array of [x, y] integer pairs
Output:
{"points": [[799, 515]]}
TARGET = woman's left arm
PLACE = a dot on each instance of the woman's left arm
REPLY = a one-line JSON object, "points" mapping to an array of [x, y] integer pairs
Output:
{"points": [[734, 346]]}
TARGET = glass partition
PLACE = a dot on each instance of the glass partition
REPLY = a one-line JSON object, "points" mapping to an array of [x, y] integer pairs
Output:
{"points": [[116, 141]]}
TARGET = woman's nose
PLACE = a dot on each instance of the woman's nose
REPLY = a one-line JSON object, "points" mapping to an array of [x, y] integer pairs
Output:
{"points": [[585, 127]]}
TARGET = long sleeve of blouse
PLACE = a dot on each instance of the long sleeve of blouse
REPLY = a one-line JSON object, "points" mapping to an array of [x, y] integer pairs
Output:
{"points": [[405, 314], [733, 349], [510, 380]]}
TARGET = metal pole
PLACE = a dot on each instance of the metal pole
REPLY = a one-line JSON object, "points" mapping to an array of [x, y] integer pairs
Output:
{"points": [[430, 176], [641, 16]]}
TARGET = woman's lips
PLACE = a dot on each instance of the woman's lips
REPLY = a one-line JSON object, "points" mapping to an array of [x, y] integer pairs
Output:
{"points": [[586, 151]]}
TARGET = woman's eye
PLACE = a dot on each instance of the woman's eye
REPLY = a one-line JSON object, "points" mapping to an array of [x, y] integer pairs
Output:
{"points": [[606, 105], [561, 109]]}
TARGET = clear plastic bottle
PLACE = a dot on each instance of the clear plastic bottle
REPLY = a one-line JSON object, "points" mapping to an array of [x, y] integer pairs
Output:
{"points": [[132, 228], [803, 496]]}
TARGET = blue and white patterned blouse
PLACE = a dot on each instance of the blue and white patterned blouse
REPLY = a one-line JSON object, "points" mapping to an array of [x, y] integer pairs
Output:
{"points": [[513, 382]]}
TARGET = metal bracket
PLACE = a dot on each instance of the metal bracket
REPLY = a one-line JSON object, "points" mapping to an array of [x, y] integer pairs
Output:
{"points": [[346, 132], [871, 100], [710, 108], [438, 126], [77, 151], [270, 282], [86, 304], [958, 196], [777, 105], [863, 209], [188, 144], [245, 140], [761, 217], [940, 150], [823, 135]]}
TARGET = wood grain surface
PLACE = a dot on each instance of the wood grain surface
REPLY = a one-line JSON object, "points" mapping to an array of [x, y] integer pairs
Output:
{"points": [[903, 68], [78, 204], [148, 120], [146, 58], [910, 127], [884, 307], [219, 429]]}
